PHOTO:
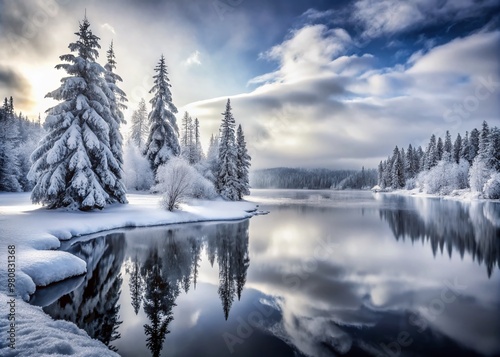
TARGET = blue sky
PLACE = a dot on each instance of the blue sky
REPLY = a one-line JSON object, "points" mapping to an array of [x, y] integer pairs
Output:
{"points": [[332, 84]]}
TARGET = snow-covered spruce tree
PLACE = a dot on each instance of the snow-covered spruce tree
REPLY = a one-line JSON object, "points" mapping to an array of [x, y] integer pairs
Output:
{"points": [[398, 179], [242, 164], [457, 149], [431, 155], [227, 175], [447, 148], [473, 145], [197, 155], [74, 166], [439, 149], [493, 149], [212, 160], [480, 170], [139, 129], [116, 98], [186, 125], [9, 162], [163, 139]]}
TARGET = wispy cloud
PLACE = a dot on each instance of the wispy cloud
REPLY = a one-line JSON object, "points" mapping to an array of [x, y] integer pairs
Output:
{"points": [[109, 28], [193, 59]]}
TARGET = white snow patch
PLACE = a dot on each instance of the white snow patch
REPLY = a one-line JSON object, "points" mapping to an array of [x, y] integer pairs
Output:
{"points": [[37, 334]]}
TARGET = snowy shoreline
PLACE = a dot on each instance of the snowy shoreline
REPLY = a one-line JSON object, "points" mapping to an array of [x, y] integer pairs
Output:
{"points": [[37, 232], [458, 195]]}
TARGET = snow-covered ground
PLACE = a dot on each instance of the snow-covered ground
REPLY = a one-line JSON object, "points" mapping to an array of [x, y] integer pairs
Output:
{"points": [[459, 195], [36, 234]]}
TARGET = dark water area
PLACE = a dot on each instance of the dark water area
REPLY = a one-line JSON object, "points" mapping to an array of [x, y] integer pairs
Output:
{"points": [[326, 273]]}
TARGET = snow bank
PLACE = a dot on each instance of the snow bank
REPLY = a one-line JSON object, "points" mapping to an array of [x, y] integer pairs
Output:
{"points": [[36, 231], [457, 195], [37, 334]]}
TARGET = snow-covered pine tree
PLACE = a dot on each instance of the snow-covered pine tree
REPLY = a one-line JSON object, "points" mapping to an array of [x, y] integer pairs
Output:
{"points": [[457, 149], [439, 149], [494, 149], [447, 148], [380, 173], [227, 179], [198, 150], [74, 166], [163, 139], [418, 158], [387, 176], [473, 145], [464, 153], [186, 126], [242, 164], [212, 159], [484, 137], [9, 161], [480, 171], [431, 155], [139, 129], [398, 179], [116, 98]]}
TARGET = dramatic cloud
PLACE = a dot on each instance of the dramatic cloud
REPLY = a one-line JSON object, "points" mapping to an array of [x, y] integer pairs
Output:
{"points": [[318, 109], [313, 83], [386, 17], [15, 85]]}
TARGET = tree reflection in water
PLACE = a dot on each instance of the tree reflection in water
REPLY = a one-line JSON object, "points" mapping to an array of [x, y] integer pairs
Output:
{"points": [[93, 306], [444, 224], [157, 275]]}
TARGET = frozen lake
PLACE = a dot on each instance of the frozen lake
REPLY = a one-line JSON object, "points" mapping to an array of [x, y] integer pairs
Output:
{"points": [[325, 273]]}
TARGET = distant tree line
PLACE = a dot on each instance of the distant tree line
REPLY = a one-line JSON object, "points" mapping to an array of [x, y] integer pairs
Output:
{"points": [[471, 161], [18, 138], [296, 178]]}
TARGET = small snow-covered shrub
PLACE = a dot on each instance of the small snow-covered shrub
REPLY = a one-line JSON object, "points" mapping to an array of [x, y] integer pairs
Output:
{"points": [[443, 178], [478, 175], [411, 183], [203, 188], [178, 181], [492, 187], [175, 182], [138, 174]]}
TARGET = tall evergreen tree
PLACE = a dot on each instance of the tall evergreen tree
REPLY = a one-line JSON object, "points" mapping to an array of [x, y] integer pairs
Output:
{"points": [[75, 166], [213, 159], [186, 128], [431, 155], [198, 150], [473, 145], [140, 128], [9, 137], [457, 149], [484, 137], [493, 149], [464, 153], [447, 148], [398, 179], [163, 140], [242, 164], [439, 149], [227, 175], [117, 99]]}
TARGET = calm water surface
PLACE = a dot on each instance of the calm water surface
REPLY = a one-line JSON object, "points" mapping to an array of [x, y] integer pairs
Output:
{"points": [[325, 273]]}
